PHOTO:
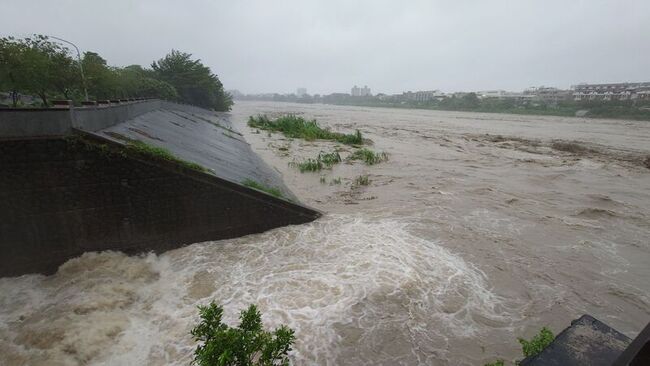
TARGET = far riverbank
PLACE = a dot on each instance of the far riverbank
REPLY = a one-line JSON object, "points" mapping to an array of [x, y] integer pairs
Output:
{"points": [[620, 111]]}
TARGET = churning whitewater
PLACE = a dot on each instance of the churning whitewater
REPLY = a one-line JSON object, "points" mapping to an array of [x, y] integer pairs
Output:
{"points": [[480, 228], [333, 281]]}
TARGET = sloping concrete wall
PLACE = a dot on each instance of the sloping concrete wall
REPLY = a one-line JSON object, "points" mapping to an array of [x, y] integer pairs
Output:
{"points": [[192, 133], [64, 196], [200, 136], [70, 182]]}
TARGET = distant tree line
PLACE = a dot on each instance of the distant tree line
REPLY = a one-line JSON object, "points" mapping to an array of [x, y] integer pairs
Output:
{"points": [[628, 109], [42, 68], [471, 102]]}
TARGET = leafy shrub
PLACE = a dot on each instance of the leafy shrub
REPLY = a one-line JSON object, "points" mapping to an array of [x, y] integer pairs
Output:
{"points": [[297, 127], [537, 343], [368, 156], [247, 345]]}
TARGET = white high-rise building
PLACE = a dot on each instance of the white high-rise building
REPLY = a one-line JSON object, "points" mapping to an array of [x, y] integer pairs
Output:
{"points": [[360, 92], [301, 92]]}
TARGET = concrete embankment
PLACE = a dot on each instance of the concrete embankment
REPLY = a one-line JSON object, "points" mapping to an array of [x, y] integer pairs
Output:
{"points": [[70, 182]]}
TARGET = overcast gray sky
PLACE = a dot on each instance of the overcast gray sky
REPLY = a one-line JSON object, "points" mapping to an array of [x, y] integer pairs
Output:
{"points": [[391, 46]]}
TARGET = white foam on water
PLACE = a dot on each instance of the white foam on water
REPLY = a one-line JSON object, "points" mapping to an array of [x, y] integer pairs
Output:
{"points": [[348, 285]]}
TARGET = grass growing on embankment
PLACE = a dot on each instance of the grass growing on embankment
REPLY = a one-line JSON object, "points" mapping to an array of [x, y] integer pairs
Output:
{"points": [[143, 148], [273, 191], [134, 147], [298, 127]]}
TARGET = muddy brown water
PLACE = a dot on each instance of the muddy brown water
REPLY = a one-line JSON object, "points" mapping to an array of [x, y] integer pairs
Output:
{"points": [[480, 228]]}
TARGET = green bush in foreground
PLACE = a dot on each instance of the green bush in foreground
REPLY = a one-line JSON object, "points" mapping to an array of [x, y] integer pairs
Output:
{"points": [[495, 363], [298, 127], [537, 343], [532, 347], [368, 156], [273, 191], [247, 345]]}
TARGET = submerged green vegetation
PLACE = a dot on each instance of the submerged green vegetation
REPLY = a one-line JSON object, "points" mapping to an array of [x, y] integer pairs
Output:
{"points": [[362, 180], [293, 126], [273, 191], [297, 127], [246, 345], [368, 156], [326, 160], [329, 159], [309, 165]]}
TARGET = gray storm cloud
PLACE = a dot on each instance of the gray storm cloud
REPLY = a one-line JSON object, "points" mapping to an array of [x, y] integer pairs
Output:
{"points": [[327, 46]]}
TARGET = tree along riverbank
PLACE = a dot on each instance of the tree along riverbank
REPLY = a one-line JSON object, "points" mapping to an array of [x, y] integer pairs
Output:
{"points": [[36, 70]]}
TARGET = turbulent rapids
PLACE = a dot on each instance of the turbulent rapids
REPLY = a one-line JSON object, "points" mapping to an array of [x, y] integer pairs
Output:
{"points": [[477, 230], [332, 280]]}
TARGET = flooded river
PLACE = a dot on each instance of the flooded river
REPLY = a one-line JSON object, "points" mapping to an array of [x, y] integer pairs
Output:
{"points": [[480, 228]]}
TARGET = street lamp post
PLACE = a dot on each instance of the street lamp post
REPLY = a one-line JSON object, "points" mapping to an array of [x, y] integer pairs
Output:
{"points": [[81, 69]]}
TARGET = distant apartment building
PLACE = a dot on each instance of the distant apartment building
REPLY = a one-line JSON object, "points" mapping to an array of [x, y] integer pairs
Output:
{"points": [[423, 95], [490, 93], [502, 94], [301, 92], [360, 92], [614, 91], [459, 94], [548, 94]]}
